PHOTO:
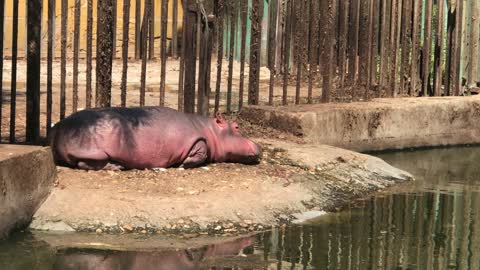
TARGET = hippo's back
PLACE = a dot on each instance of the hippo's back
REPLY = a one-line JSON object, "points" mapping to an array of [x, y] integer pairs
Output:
{"points": [[135, 137]]}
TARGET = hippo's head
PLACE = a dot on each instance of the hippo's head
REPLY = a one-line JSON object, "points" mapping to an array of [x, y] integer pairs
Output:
{"points": [[233, 147]]}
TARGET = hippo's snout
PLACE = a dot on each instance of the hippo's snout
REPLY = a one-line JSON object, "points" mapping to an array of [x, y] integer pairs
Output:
{"points": [[255, 155]]}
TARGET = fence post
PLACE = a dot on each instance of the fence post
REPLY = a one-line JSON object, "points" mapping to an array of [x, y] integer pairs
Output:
{"points": [[2, 25], [104, 52], [190, 13], [206, 46], [255, 52], [34, 25]]}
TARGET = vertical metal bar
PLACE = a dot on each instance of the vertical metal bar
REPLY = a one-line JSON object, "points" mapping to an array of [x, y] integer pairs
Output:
{"points": [[2, 29], [76, 45], [395, 42], [416, 27], [451, 11], [371, 47], [206, 44], [255, 52], [163, 52], [328, 56], [138, 40], [181, 80], [190, 11], [233, 30], [13, 91], [426, 47], [343, 28], [125, 40], [363, 43], [114, 46], [63, 60], [34, 25], [175, 30], [88, 92], [104, 53], [151, 32], [439, 45], [473, 67], [286, 49], [354, 24], [313, 46], [384, 44], [406, 43], [392, 50], [272, 44], [300, 41], [458, 49], [374, 48], [145, 27], [220, 22], [244, 18]]}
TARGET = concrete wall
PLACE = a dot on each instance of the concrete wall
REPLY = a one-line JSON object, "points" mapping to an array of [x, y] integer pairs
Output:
{"points": [[27, 175], [380, 124]]}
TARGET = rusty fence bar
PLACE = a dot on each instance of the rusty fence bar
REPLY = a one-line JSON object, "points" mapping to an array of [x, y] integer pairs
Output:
{"points": [[255, 54], [231, 49], [426, 48], [63, 63], [206, 44], [243, 47], [76, 45], [163, 51], [34, 25], [151, 31], [190, 13], [145, 30], [138, 41], [50, 53], [104, 53], [125, 40], [286, 49], [13, 89], [88, 90], [175, 29], [2, 27], [220, 14], [272, 44]]}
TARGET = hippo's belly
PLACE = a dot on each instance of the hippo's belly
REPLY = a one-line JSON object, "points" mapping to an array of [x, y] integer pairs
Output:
{"points": [[154, 148]]}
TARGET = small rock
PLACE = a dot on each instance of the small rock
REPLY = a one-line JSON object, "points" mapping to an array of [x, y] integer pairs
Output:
{"points": [[143, 232], [99, 231], [180, 189], [206, 168], [218, 228], [160, 169], [248, 222], [193, 192], [128, 228], [181, 221], [181, 169]]}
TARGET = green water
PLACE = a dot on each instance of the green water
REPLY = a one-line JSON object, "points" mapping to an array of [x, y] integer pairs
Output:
{"points": [[433, 223]]}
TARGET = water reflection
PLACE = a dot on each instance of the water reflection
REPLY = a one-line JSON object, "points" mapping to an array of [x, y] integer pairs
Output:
{"points": [[433, 223]]}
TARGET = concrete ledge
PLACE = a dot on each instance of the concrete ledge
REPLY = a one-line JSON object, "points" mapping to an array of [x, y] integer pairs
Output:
{"points": [[27, 174], [380, 124]]}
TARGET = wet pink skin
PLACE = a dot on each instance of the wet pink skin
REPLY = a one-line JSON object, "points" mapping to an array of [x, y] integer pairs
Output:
{"points": [[150, 137]]}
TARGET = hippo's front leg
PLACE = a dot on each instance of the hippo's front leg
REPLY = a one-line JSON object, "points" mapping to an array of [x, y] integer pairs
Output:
{"points": [[197, 156], [95, 165]]}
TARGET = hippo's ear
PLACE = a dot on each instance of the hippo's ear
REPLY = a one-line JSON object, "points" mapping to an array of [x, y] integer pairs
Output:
{"points": [[219, 119]]}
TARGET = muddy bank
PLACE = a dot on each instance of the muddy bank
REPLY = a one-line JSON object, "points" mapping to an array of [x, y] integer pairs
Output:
{"points": [[226, 199]]}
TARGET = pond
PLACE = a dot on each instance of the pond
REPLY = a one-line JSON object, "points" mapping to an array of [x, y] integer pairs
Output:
{"points": [[433, 223]]}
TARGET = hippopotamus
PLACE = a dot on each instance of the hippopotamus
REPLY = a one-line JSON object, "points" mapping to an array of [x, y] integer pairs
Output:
{"points": [[147, 138]]}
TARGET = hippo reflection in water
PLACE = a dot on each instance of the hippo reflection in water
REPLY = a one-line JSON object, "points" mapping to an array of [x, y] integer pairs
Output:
{"points": [[168, 260], [147, 137]]}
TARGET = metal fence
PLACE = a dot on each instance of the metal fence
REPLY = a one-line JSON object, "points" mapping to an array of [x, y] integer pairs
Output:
{"points": [[208, 55]]}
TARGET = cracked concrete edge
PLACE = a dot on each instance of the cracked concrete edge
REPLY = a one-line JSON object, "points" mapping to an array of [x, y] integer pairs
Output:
{"points": [[27, 175]]}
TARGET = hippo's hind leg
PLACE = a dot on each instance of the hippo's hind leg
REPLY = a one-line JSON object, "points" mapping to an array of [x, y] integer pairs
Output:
{"points": [[197, 155], [96, 165]]}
